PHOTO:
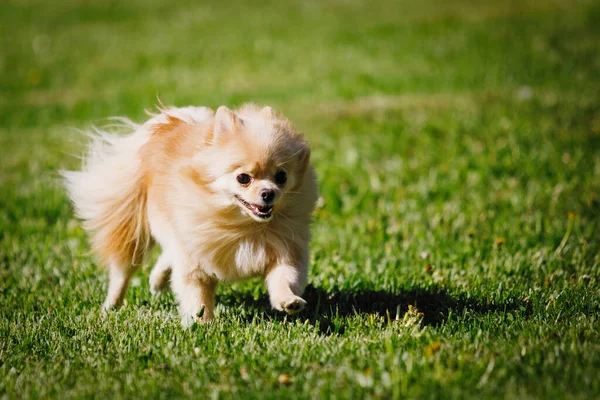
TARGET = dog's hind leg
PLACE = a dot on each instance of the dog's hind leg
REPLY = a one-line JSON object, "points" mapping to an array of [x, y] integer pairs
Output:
{"points": [[118, 280], [161, 273]]}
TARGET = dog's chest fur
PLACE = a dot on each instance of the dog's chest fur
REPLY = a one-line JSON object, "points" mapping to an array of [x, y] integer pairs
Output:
{"points": [[250, 256], [232, 259]]}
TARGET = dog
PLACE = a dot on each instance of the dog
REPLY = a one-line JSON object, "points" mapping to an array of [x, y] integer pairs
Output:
{"points": [[228, 195]]}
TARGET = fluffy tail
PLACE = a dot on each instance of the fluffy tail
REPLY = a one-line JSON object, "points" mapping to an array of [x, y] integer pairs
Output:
{"points": [[109, 195]]}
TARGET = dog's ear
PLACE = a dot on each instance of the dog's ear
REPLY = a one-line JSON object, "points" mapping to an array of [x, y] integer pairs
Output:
{"points": [[267, 113], [226, 123]]}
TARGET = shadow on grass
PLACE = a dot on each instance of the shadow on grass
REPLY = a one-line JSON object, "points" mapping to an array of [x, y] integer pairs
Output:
{"points": [[325, 308]]}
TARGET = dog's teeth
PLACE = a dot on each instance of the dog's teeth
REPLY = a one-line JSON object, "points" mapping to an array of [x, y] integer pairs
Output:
{"points": [[258, 210]]}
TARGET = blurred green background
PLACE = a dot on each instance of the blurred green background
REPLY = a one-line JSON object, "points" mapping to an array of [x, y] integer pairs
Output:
{"points": [[458, 149]]}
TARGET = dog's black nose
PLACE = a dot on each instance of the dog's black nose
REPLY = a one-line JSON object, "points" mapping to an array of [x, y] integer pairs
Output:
{"points": [[268, 195]]}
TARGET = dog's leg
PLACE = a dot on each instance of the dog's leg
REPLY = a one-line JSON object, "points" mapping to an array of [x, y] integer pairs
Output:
{"points": [[196, 296], [118, 280], [285, 283], [161, 273]]}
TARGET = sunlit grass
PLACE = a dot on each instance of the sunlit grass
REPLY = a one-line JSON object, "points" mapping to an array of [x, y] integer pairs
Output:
{"points": [[455, 250]]}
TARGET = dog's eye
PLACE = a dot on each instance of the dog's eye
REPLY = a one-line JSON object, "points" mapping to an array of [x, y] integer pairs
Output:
{"points": [[280, 177], [244, 179]]}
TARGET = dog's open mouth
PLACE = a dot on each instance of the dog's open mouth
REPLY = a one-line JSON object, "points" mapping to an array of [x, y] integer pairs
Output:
{"points": [[262, 212]]}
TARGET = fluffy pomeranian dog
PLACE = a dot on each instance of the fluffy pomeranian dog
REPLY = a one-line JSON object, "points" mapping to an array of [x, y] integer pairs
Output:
{"points": [[228, 195]]}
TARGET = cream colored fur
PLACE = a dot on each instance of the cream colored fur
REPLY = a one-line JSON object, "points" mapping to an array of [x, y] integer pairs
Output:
{"points": [[176, 178]]}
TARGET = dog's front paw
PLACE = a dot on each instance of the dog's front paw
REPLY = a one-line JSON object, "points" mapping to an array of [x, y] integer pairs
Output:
{"points": [[109, 305], [187, 321], [293, 305], [201, 317]]}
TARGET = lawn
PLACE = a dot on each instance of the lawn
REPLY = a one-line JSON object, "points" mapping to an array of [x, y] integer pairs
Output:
{"points": [[456, 249]]}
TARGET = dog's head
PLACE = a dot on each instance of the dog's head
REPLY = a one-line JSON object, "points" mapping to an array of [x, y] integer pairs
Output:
{"points": [[255, 161]]}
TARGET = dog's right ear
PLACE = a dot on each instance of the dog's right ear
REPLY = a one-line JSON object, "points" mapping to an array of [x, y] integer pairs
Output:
{"points": [[267, 113], [226, 124]]}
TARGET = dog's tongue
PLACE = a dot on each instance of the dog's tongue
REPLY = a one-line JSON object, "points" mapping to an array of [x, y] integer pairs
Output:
{"points": [[260, 209], [263, 209]]}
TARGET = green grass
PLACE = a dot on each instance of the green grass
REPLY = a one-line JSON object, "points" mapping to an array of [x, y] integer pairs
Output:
{"points": [[458, 149]]}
